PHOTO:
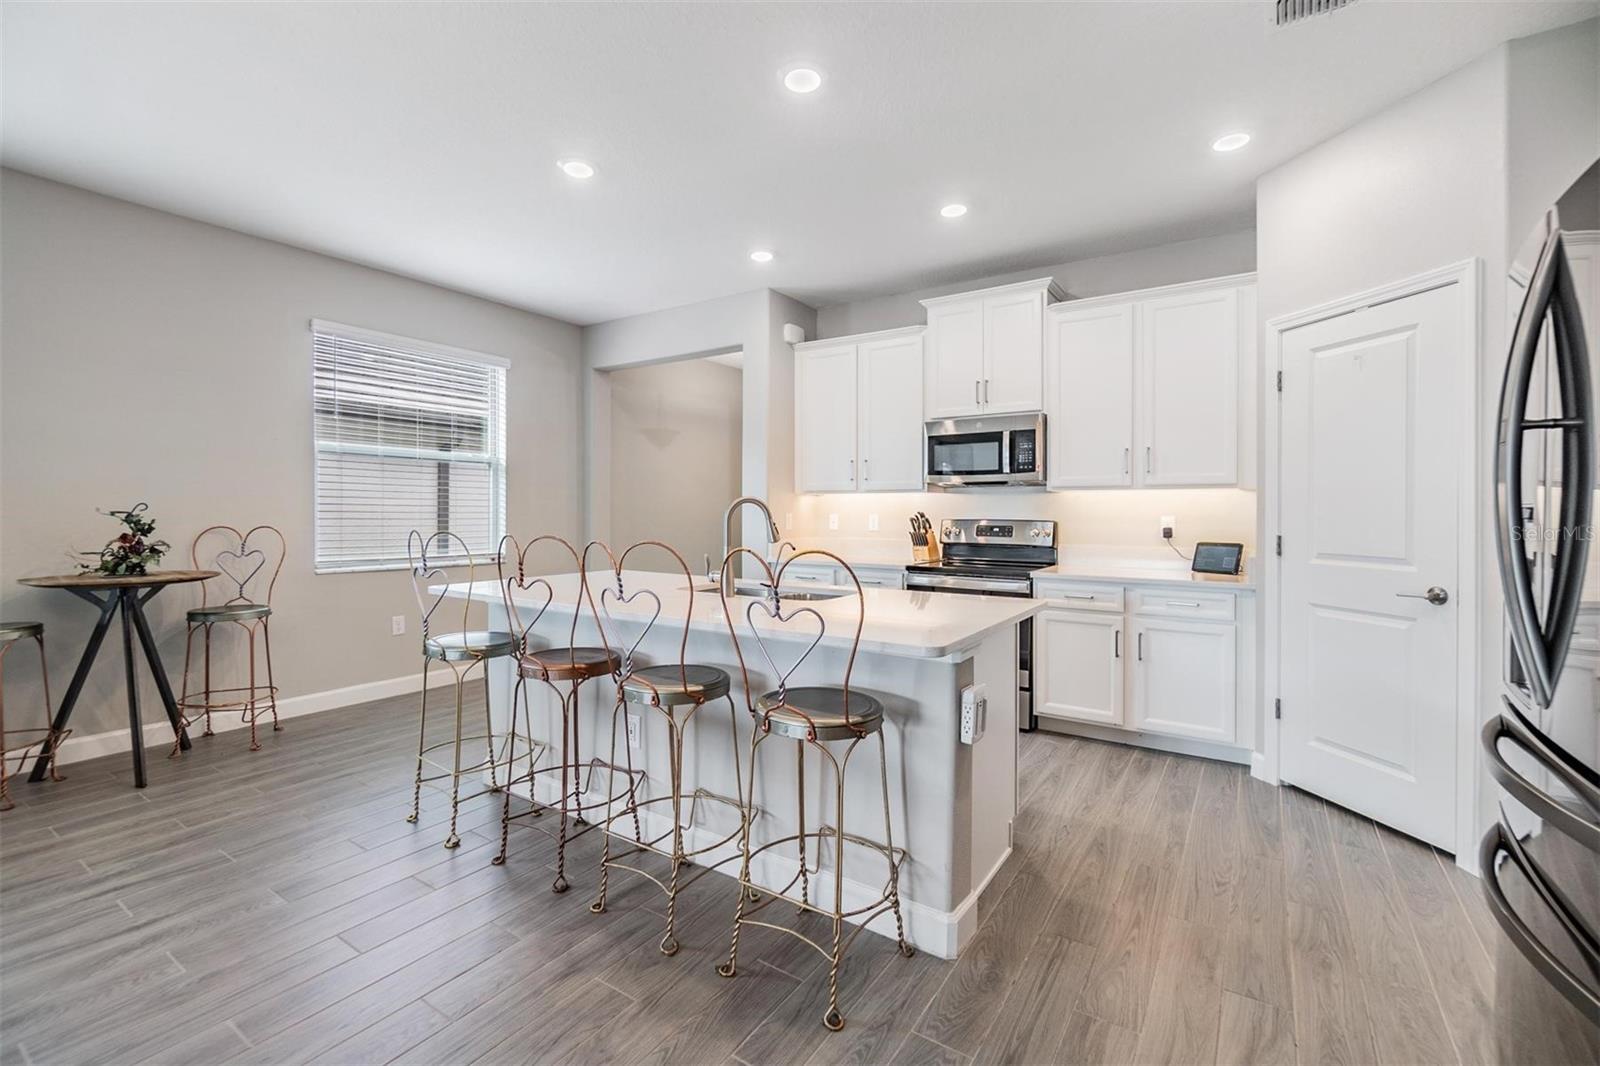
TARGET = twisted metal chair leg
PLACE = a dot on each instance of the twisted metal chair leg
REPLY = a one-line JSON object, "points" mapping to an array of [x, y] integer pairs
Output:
{"points": [[454, 839], [255, 745], [569, 715], [208, 732], [894, 864], [731, 967], [272, 686], [422, 742]]}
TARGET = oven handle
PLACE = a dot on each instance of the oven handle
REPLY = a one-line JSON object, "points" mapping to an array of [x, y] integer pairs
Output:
{"points": [[1495, 842], [1507, 727], [934, 582]]}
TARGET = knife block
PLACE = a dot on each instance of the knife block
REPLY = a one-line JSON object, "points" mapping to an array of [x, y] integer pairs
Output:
{"points": [[928, 554]]}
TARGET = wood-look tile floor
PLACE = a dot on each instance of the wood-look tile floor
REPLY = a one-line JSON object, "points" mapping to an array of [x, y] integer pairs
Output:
{"points": [[275, 907]]}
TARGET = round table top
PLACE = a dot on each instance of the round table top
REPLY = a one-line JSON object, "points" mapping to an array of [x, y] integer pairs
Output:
{"points": [[109, 581]]}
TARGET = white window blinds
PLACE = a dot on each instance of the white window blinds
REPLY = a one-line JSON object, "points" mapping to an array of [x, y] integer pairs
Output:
{"points": [[408, 435]]}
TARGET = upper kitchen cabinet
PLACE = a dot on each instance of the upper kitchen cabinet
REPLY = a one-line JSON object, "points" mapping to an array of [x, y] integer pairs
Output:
{"points": [[857, 427], [985, 350], [1147, 389]]}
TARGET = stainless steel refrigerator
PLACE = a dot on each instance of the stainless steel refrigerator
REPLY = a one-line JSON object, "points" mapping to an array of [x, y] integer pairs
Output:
{"points": [[1541, 860]]}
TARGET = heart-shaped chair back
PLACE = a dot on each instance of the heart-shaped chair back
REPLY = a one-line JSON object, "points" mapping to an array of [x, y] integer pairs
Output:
{"points": [[248, 563], [616, 593], [441, 565], [778, 617], [527, 593]]}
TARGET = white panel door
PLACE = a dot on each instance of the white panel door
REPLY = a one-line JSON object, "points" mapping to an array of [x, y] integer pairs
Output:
{"points": [[1013, 348], [1189, 389], [1077, 666], [1089, 396], [1183, 678], [953, 367], [890, 425], [825, 419], [1372, 410]]}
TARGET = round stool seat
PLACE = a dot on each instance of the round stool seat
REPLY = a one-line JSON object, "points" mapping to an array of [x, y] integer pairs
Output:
{"points": [[825, 709], [665, 685], [228, 612], [568, 664], [10, 631], [459, 647]]}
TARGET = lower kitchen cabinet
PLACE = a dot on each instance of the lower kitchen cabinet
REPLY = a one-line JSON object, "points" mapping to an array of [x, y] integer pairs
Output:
{"points": [[1174, 663], [1077, 666], [1184, 678]]}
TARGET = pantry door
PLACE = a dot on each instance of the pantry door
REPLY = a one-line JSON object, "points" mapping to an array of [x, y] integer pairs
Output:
{"points": [[1372, 412]]}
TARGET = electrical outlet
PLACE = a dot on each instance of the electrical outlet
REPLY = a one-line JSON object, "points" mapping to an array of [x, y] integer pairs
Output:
{"points": [[872, 523], [1169, 525], [833, 519], [633, 731], [397, 625]]}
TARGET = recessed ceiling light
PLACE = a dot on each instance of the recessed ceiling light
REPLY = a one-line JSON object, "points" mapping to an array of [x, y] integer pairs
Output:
{"points": [[953, 210], [576, 168], [1231, 142], [802, 80], [761, 255]]}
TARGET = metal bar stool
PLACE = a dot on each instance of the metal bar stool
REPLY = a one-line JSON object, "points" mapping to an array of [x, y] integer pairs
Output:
{"points": [[462, 651], [20, 742], [243, 560], [562, 670], [668, 688], [814, 717]]}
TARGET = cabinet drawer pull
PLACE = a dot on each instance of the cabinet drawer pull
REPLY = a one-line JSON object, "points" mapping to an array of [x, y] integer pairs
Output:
{"points": [[1116, 643], [1147, 458], [1141, 647], [1182, 603], [977, 397], [1077, 595], [1127, 460]]}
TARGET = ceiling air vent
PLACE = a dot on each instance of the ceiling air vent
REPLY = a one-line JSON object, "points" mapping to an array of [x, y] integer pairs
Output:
{"points": [[1294, 10]]}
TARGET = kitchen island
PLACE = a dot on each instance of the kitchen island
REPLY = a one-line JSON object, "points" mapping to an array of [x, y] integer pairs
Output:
{"points": [[952, 803]]}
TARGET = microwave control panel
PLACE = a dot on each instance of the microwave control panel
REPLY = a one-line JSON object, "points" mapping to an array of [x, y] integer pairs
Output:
{"points": [[1023, 452]]}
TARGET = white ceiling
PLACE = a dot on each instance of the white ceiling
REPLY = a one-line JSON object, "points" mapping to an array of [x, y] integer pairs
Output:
{"points": [[422, 138]]}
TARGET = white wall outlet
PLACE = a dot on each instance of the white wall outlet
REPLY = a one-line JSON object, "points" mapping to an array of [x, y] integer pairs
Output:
{"points": [[833, 519], [397, 625], [974, 712], [633, 731], [872, 523], [1169, 525]]}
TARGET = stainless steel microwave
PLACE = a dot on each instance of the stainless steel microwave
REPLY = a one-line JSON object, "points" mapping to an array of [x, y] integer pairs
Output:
{"points": [[986, 450]]}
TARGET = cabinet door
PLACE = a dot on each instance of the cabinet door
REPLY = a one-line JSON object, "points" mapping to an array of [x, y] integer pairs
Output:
{"points": [[1183, 679], [890, 425], [953, 369], [825, 419], [1189, 395], [1077, 666], [1089, 396], [1013, 350]]}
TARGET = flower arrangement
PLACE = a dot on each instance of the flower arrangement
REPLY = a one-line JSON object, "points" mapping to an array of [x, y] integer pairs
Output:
{"points": [[132, 553]]}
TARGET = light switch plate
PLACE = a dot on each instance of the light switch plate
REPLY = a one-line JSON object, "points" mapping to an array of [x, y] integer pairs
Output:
{"points": [[872, 523], [397, 625]]}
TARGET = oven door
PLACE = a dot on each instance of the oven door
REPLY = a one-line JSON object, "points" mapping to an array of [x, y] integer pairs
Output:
{"points": [[978, 457]]}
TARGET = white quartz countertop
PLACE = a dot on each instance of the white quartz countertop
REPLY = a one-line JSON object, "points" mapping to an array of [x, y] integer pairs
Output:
{"points": [[1135, 574], [919, 625]]}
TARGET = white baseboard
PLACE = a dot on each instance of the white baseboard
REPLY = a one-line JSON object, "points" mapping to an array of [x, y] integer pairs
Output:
{"points": [[158, 733], [938, 932], [1203, 749]]}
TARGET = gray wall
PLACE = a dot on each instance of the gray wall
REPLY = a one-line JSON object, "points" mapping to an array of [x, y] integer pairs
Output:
{"points": [[675, 451], [1142, 268], [150, 357]]}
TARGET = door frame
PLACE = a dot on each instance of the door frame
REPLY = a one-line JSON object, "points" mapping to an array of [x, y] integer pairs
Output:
{"points": [[1468, 274]]}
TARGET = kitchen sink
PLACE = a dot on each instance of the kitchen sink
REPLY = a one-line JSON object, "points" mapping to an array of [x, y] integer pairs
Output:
{"points": [[756, 590]]}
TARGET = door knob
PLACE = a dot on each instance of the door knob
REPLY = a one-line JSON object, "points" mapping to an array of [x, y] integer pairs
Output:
{"points": [[1435, 595]]}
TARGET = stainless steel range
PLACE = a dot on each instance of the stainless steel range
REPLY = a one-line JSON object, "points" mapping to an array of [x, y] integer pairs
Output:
{"points": [[993, 557]]}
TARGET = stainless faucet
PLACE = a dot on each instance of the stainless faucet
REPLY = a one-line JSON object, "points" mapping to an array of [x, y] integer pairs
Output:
{"points": [[727, 531]]}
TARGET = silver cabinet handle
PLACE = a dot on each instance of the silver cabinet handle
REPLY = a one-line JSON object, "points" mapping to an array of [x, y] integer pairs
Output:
{"points": [[1435, 595], [852, 471], [866, 469], [1127, 460], [1182, 603], [1141, 645], [1147, 458], [986, 392], [977, 394], [1077, 595], [1116, 643]]}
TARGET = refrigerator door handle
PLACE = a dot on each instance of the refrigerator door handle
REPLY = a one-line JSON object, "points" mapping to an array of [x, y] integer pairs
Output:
{"points": [[1504, 727], [1499, 842]]}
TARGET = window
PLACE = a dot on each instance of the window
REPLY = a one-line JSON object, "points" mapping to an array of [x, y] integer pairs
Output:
{"points": [[409, 435]]}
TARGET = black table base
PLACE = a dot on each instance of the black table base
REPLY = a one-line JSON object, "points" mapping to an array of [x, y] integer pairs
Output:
{"points": [[132, 601]]}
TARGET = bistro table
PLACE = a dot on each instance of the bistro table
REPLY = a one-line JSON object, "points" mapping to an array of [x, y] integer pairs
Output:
{"points": [[130, 593]]}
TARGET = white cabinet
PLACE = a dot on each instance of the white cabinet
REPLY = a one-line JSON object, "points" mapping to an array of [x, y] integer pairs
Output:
{"points": [[825, 401], [1189, 388], [858, 413], [986, 350], [1163, 659], [1089, 396], [1077, 666], [889, 425], [1183, 678], [1146, 389]]}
